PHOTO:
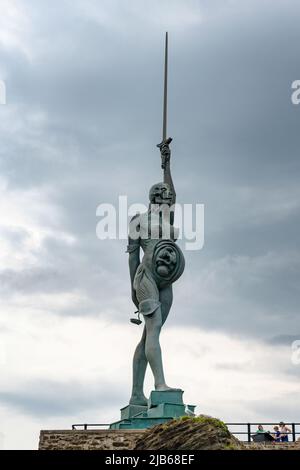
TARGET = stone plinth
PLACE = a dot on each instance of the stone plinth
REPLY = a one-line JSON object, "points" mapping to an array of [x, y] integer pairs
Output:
{"points": [[100, 439], [162, 407], [131, 410], [173, 397]]}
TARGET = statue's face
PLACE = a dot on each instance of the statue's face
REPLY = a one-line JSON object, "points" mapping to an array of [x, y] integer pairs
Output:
{"points": [[165, 261], [160, 193]]}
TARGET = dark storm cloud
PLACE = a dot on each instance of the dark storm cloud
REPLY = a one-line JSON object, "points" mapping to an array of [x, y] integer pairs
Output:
{"points": [[68, 269], [285, 340], [88, 109], [51, 398]]}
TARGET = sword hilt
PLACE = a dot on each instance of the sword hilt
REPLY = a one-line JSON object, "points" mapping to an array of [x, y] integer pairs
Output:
{"points": [[165, 151], [164, 142]]}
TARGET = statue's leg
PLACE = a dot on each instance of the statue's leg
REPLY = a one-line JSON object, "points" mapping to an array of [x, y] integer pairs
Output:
{"points": [[139, 359], [138, 373], [166, 299], [153, 325], [155, 314]]}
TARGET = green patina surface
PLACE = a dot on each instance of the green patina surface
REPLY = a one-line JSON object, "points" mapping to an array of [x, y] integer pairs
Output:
{"points": [[163, 406]]}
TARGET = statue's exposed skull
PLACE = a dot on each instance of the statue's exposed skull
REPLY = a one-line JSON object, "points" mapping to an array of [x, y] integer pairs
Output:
{"points": [[160, 193]]}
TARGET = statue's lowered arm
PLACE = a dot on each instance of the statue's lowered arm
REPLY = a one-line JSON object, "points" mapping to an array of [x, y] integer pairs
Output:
{"points": [[133, 249]]}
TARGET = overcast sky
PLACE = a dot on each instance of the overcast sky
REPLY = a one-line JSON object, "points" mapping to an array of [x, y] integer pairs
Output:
{"points": [[80, 127]]}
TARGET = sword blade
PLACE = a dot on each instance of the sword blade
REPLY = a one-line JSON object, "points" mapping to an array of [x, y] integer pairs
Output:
{"points": [[165, 91]]}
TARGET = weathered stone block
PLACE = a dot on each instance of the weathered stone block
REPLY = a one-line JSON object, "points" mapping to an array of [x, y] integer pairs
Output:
{"points": [[99, 439]]}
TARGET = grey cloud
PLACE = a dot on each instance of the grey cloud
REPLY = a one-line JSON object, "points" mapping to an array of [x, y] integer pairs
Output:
{"points": [[89, 111], [238, 295], [52, 398], [232, 366], [284, 409], [81, 124], [284, 340]]}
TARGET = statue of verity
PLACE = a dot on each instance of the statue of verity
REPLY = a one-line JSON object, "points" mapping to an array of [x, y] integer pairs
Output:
{"points": [[152, 278]]}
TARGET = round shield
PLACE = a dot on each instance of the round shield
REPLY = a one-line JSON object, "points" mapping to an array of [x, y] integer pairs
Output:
{"points": [[167, 262]]}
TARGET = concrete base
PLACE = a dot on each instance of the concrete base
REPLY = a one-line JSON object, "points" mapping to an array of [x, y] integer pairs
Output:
{"points": [[162, 407], [131, 410]]}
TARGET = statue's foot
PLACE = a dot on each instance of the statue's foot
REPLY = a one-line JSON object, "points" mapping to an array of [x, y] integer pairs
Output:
{"points": [[139, 400], [166, 388]]}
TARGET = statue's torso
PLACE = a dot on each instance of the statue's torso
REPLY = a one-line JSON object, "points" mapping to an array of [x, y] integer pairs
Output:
{"points": [[155, 226], [162, 258]]}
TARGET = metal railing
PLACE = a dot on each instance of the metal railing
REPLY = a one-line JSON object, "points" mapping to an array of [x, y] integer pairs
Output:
{"points": [[86, 426], [248, 426], [250, 429]]}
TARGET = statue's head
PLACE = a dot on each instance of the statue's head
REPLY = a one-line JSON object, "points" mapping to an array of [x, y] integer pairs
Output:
{"points": [[160, 193]]}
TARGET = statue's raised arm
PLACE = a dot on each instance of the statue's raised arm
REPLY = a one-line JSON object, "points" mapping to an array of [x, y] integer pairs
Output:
{"points": [[165, 153]]}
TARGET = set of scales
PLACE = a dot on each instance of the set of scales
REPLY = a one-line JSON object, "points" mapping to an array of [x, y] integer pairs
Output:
{"points": [[151, 280]]}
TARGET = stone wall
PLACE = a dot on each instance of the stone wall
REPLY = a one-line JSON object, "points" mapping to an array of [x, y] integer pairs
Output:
{"points": [[100, 439], [107, 439], [274, 446]]}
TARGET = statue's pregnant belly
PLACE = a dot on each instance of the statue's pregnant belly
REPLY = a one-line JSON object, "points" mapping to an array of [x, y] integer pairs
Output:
{"points": [[164, 260]]}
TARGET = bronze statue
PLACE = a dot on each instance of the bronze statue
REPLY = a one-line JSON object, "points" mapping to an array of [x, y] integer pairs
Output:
{"points": [[162, 264]]}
